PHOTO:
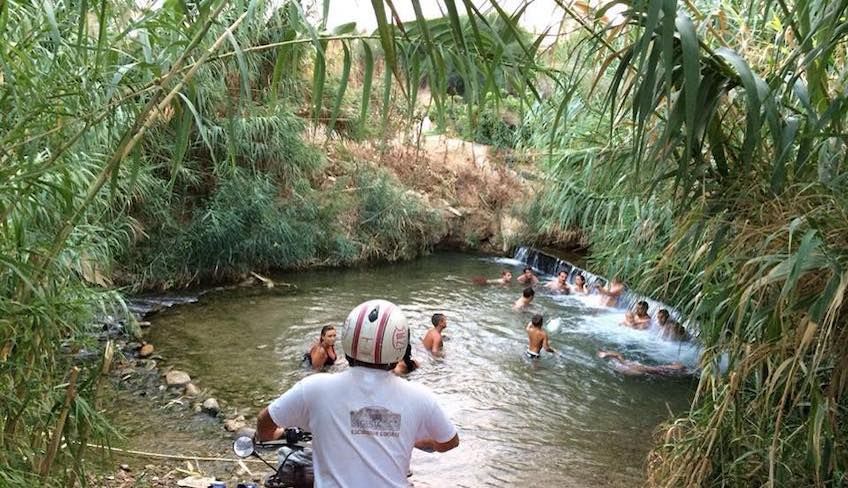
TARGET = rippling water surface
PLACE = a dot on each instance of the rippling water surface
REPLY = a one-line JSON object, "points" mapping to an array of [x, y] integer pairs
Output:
{"points": [[566, 420]]}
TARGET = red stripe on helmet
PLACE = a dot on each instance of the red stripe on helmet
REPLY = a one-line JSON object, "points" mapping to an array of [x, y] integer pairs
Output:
{"points": [[378, 345], [356, 330]]}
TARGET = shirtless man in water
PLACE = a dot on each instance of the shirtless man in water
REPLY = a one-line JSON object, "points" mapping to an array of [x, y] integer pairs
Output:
{"points": [[537, 338], [433, 338], [612, 292], [505, 279], [635, 368], [560, 284], [639, 320], [525, 300], [527, 277]]}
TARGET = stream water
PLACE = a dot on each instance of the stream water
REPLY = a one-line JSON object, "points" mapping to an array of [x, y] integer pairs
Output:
{"points": [[566, 420]]}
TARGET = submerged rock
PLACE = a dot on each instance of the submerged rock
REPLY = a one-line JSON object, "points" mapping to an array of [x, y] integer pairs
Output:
{"points": [[210, 406], [234, 425], [191, 390], [145, 350], [177, 378]]}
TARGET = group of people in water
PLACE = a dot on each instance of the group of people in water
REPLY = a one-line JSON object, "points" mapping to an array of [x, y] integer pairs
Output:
{"points": [[323, 354]]}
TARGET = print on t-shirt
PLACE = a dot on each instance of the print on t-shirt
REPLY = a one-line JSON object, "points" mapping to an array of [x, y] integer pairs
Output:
{"points": [[375, 421]]}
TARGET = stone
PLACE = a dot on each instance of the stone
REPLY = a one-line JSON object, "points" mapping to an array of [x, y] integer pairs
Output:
{"points": [[125, 467], [198, 408], [196, 482], [145, 350], [143, 324], [177, 378], [210, 406], [191, 390], [233, 425]]}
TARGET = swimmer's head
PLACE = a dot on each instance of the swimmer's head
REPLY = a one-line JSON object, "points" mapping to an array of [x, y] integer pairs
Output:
{"points": [[562, 277], [528, 292], [662, 316], [536, 320], [328, 335], [439, 319], [579, 280], [642, 307], [528, 270], [506, 275]]}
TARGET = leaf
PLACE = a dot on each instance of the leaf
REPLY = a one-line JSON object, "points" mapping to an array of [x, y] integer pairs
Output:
{"points": [[54, 27], [242, 64], [691, 74], [752, 112], [366, 82]]}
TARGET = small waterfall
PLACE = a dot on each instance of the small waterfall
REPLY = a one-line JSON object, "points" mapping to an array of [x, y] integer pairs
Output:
{"points": [[544, 263]]}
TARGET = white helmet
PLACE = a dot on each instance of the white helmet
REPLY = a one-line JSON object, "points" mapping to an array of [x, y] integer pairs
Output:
{"points": [[375, 332]]}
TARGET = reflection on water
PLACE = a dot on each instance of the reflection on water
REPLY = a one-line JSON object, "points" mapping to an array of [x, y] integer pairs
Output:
{"points": [[567, 420]]}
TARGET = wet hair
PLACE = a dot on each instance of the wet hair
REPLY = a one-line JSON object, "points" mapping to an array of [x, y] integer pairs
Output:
{"points": [[536, 320], [527, 269], [663, 312], [437, 317], [642, 303], [528, 292], [563, 271], [579, 275], [504, 273], [327, 328], [407, 355]]}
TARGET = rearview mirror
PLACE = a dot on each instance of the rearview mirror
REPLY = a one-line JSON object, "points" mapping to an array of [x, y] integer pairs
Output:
{"points": [[243, 446]]}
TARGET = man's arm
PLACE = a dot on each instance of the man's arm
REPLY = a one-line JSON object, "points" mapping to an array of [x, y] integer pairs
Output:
{"points": [[546, 345], [266, 429], [432, 445], [436, 350]]}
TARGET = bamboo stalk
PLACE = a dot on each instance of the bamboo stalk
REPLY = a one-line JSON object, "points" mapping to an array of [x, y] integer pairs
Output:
{"points": [[181, 457], [53, 448]]}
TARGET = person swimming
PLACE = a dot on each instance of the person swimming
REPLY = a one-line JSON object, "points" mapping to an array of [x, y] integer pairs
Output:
{"points": [[537, 338], [612, 292], [526, 299], [406, 365], [505, 279], [527, 277], [560, 283], [635, 368], [433, 339], [323, 352], [579, 284], [671, 329], [639, 320]]}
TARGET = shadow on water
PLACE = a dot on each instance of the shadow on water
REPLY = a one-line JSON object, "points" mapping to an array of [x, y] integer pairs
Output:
{"points": [[566, 420]]}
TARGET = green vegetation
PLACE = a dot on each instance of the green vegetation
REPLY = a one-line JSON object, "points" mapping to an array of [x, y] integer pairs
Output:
{"points": [[701, 151]]}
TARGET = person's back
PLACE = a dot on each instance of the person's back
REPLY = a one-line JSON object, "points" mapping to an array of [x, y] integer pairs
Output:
{"points": [[537, 338], [363, 435], [365, 420]]}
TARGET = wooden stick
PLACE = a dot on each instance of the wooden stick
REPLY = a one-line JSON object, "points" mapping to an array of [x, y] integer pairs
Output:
{"points": [[60, 425], [172, 456]]}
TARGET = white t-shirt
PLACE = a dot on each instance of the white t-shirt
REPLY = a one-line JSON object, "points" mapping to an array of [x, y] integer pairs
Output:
{"points": [[364, 424]]}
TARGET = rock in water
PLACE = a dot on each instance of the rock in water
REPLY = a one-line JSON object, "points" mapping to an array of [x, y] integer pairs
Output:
{"points": [[211, 407], [191, 390], [177, 378], [233, 425], [146, 350]]}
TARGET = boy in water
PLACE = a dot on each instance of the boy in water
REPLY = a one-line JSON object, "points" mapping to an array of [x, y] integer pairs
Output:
{"points": [[526, 299], [527, 277], [433, 338], [639, 320], [505, 279], [537, 338], [560, 284]]}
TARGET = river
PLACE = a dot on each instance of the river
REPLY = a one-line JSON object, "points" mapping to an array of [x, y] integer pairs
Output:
{"points": [[566, 420]]}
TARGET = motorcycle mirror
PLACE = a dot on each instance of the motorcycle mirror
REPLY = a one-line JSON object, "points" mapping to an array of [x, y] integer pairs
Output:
{"points": [[244, 447]]}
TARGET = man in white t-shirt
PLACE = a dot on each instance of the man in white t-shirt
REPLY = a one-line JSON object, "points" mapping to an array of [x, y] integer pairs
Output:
{"points": [[365, 420]]}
